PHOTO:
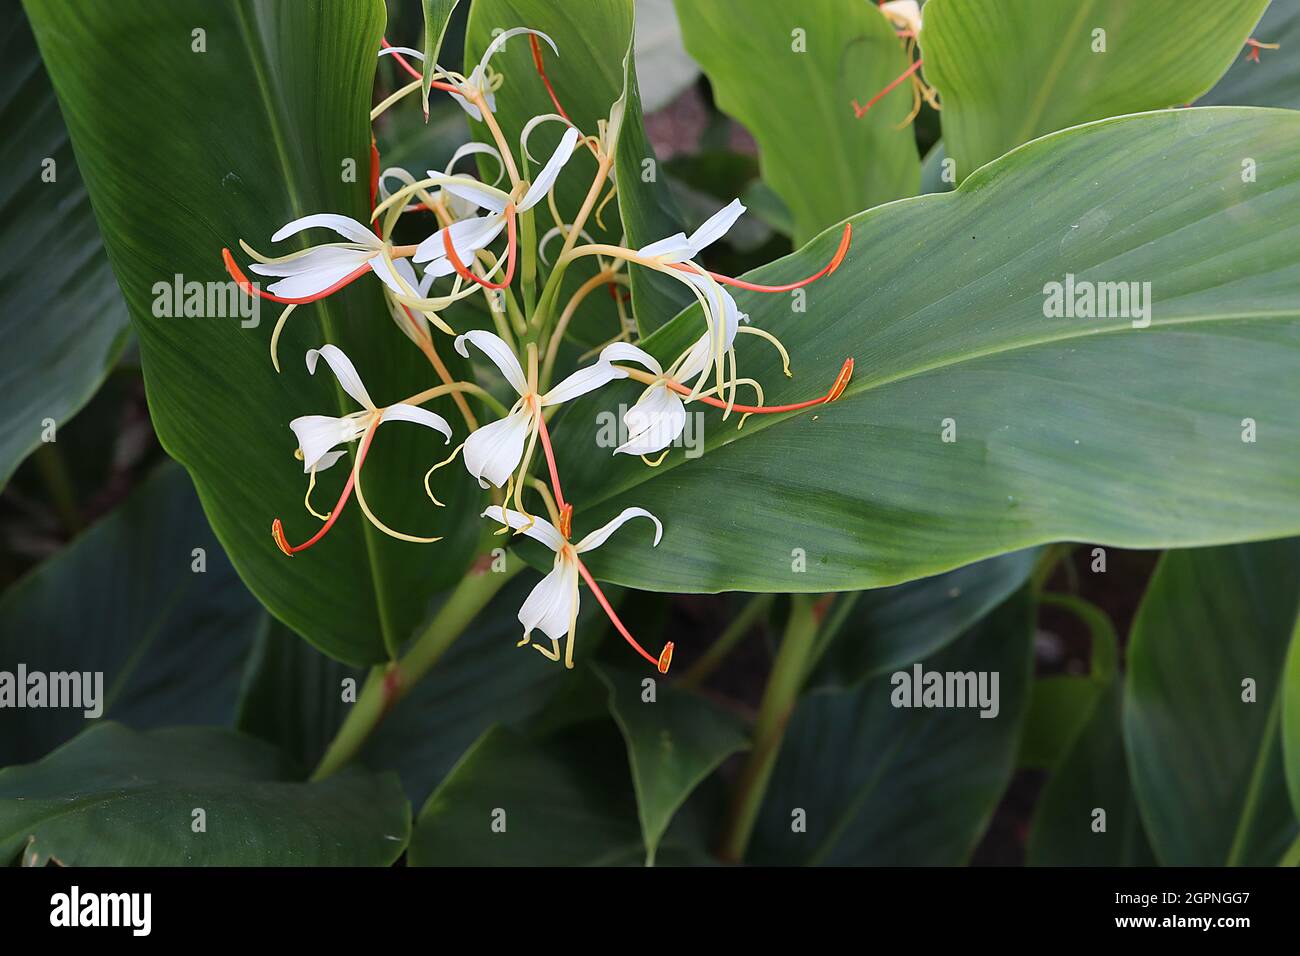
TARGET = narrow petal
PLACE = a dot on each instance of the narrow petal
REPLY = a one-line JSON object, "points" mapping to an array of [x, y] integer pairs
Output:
{"points": [[302, 285], [348, 228], [551, 171], [499, 41], [469, 149], [471, 190], [601, 535], [317, 434], [319, 258], [380, 267], [653, 423], [468, 107], [495, 348], [407, 272], [467, 236], [327, 460], [582, 381], [551, 605], [676, 248], [403, 50], [626, 352], [421, 416], [343, 370], [492, 451], [716, 226], [539, 529]]}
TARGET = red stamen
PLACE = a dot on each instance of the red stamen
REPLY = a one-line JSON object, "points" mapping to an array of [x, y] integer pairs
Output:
{"points": [[545, 435], [665, 657], [402, 61], [242, 281], [837, 389], [845, 240], [277, 528], [510, 256], [541, 71], [860, 111]]}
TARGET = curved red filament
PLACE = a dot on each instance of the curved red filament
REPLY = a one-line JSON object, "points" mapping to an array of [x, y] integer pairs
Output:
{"points": [[845, 240], [541, 71], [464, 273], [402, 61], [665, 658], [861, 111], [277, 528], [545, 436], [242, 281], [836, 390]]}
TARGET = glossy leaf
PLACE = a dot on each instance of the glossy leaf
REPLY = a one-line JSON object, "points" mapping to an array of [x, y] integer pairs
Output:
{"points": [[1065, 428], [884, 785], [147, 599], [115, 797], [1008, 71], [62, 320], [673, 743], [275, 113], [790, 73], [437, 14], [1291, 718], [1203, 704]]}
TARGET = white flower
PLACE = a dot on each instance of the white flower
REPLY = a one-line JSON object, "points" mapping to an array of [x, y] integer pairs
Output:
{"points": [[494, 451], [680, 247], [478, 78], [470, 235], [658, 416], [318, 435], [319, 268], [905, 14], [552, 606]]}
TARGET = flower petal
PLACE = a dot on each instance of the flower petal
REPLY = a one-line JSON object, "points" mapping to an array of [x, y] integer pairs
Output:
{"points": [[600, 535], [471, 148], [716, 226], [539, 529], [343, 370], [317, 434], [499, 41], [379, 265], [313, 281], [480, 194], [495, 348], [653, 423], [582, 381], [346, 227], [403, 50], [492, 451], [402, 412], [551, 606], [551, 171], [626, 352], [327, 460], [467, 237], [676, 248], [321, 257]]}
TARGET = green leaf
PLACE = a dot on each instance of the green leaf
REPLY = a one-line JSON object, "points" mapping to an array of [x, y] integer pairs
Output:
{"points": [[673, 743], [62, 318], [1207, 762], [1291, 718], [437, 14], [893, 626], [1066, 428], [1008, 71], [789, 73], [883, 785], [115, 797], [1091, 776], [1275, 79], [125, 600], [274, 109]]}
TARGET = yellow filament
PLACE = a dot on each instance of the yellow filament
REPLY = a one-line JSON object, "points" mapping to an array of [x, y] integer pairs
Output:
{"points": [[429, 474], [275, 338], [306, 499], [764, 334]]}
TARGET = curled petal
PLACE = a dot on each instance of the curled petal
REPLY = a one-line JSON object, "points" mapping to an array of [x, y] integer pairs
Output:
{"points": [[551, 171], [401, 51], [348, 228], [421, 416], [469, 149], [653, 423], [493, 451], [551, 606], [601, 535], [499, 41], [626, 352], [343, 370], [539, 529], [499, 353], [531, 125]]}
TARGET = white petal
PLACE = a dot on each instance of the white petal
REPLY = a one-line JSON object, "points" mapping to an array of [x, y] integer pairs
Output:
{"points": [[403, 50], [495, 348], [407, 272], [480, 194], [492, 451], [539, 529], [319, 258], [420, 416], [343, 370], [348, 228], [380, 267], [302, 285], [600, 535], [499, 41], [467, 236], [468, 149], [327, 460], [626, 352], [551, 606], [676, 248], [551, 171], [653, 423], [467, 106], [317, 434], [582, 381], [716, 226]]}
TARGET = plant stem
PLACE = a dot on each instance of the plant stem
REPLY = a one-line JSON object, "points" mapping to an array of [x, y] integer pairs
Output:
{"points": [[54, 472], [740, 625], [386, 685], [788, 674]]}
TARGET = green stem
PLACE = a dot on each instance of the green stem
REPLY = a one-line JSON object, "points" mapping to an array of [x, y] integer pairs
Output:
{"points": [[783, 685], [1052, 555], [385, 686], [1292, 856], [528, 261], [54, 472], [740, 625], [1257, 786]]}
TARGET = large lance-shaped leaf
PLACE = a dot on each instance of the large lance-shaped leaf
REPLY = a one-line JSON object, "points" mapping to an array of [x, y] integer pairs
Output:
{"points": [[197, 124], [1011, 70], [790, 72], [116, 797], [1275, 79], [1203, 704], [881, 784], [62, 320], [1064, 428], [437, 14], [1291, 718], [147, 599]]}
